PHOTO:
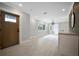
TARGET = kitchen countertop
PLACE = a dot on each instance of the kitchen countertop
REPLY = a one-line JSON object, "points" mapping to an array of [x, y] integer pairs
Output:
{"points": [[67, 33]]}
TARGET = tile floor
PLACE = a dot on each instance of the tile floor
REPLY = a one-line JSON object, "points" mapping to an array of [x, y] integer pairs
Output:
{"points": [[44, 46]]}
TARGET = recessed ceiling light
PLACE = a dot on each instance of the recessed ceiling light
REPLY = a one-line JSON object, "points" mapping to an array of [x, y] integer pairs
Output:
{"points": [[63, 9], [20, 4]]}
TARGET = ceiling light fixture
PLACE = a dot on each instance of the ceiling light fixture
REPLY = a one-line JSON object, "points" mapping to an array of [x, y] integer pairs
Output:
{"points": [[20, 5], [63, 9]]}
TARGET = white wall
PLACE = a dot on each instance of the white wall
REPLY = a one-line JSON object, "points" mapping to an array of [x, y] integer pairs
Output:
{"points": [[64, 27], [56, 28], [24, 21], [64, 24]]}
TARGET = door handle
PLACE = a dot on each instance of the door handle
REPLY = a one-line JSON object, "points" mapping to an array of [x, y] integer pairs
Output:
{"points": [[0, 29], [17, 30]]}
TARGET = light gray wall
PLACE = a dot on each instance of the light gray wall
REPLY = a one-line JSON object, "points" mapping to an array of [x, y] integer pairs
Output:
{"points": [[24, 21]]}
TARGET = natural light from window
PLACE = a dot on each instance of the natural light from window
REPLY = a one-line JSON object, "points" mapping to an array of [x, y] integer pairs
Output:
{"points": [[10, 18]]}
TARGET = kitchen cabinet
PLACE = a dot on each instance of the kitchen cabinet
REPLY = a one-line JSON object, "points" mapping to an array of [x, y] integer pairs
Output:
{"points": [[68, 44]]}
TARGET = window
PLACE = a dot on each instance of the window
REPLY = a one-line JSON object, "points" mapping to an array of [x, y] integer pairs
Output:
{"points": [[41, 27], [10, 18]]}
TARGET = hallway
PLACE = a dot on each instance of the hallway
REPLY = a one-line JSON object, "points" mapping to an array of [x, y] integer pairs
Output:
{"points": [[44, 46], [45, 29]]}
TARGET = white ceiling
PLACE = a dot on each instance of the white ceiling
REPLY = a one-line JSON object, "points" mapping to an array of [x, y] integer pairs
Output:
{"points": [[36, 9]]}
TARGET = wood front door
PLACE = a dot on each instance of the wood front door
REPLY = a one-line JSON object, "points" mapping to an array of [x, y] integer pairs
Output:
{"points": [[10, 29], [0, 30]]}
